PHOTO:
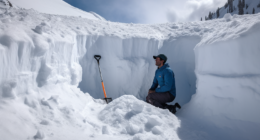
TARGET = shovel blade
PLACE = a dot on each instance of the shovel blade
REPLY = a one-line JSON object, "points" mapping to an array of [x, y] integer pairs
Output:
{"points": [[107, 100]]}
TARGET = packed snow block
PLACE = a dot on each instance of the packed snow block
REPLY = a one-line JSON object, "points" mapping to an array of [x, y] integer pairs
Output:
{"points": [[43, 74], [228, 92], [233, 58]]}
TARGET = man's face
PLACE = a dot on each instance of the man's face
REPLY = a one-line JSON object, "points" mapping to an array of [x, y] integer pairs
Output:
{"points": [[158, 62]]}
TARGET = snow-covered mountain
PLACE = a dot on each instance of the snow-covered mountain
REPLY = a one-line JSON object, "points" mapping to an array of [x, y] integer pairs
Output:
{"points": [[57, 7], [232, 7], [47, 64]]}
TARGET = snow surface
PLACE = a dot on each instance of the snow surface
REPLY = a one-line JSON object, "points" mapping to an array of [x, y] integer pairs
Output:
{"points": [[47, 61]]}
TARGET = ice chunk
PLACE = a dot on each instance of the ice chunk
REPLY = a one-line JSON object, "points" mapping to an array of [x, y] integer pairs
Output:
{"points": [[54, 99], [45, 103], [137, 108], [8, 89], [30, 103], [156, 130], [40, 44], [44, 122], [76, 73], [43, 27], [154, 121], [132, 129], [227, 17], [105, 130], [39, 135], [43, 74]]}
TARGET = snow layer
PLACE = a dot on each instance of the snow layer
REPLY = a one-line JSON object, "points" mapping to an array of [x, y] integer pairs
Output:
{"points": [[44, 58]]}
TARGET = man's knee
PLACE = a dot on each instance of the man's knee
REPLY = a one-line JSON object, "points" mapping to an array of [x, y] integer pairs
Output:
{"points": [[149, 98]]}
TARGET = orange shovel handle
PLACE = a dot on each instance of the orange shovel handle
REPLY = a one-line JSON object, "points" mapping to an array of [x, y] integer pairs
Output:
{"points": [[104, 89]]}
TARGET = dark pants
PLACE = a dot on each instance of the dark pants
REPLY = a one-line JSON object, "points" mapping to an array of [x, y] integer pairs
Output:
{"points": [[159, 99]]}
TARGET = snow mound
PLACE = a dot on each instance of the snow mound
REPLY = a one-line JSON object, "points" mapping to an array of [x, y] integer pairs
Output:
{"points": [[130, 116]]}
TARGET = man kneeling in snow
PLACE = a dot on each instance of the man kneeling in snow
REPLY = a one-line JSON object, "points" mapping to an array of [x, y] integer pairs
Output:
{"points": [[163, 89]]}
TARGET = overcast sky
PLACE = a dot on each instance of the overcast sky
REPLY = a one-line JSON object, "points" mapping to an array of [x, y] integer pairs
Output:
{"points": [[149, 11]]}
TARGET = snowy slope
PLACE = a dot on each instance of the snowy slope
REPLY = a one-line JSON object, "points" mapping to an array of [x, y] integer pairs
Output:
{"points": [[47, 61], [251, 4], [4, 4], [57, 7]]}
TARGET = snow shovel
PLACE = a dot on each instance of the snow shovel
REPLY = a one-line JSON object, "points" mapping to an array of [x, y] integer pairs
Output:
{"points": [[108, 100]]}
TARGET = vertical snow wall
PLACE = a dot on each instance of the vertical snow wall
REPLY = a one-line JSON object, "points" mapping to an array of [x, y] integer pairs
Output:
{"points": [[128, 67], [228, 87]]}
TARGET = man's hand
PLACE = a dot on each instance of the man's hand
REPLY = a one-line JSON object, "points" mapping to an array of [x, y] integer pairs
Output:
{"points": [[151, 91]]}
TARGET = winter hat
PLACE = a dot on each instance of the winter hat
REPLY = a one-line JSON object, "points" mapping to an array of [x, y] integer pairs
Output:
{"points": [[162, 56]]}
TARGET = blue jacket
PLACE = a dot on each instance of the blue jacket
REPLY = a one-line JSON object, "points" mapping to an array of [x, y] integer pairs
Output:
{"points": [[164, 80]]}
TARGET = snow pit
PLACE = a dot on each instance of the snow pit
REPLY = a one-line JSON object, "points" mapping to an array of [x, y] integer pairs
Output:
{"points": [[129, 58], [53, 68], [133, 60]]}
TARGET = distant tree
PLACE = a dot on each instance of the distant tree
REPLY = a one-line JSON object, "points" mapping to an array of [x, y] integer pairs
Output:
{"points": [[240, 8], [210, 15], [243, 3], [246, 12], [226, 5], [230, 4], [206, 18], [258, 5], [218, 12], [246, 6], [201, 19], [253, 11]]}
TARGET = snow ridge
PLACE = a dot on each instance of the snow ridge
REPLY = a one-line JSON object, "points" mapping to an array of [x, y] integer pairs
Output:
{"points": [[251, 7]]}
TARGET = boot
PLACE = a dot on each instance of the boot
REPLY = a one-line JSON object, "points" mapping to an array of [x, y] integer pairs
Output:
{"points": [[178, 105]]}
